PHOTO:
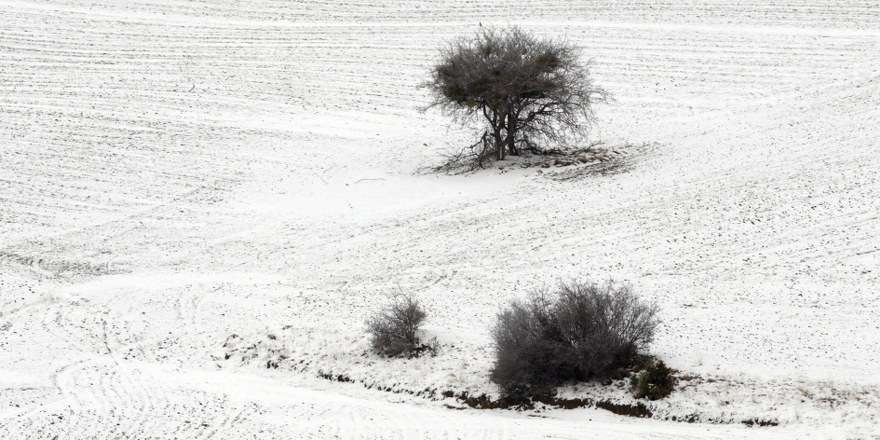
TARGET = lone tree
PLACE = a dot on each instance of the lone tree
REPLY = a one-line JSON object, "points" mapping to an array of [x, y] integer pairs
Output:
{"points": [[531, 92]]}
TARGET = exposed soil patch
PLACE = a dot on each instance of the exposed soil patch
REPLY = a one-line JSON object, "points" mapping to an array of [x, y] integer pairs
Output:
{"points": [[593, 161], [337, 378], [57, 267], [484, 401], [760, 422], [589, 155]]}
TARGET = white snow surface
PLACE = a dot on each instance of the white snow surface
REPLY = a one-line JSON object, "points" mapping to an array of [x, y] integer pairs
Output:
{"points": [[193, 190]]}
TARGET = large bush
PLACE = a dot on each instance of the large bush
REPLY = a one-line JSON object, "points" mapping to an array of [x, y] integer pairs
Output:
{"points": [[578, 332], [394, 330]]}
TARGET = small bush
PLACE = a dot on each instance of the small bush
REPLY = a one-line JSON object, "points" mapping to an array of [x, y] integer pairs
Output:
{"points": [[582, 331], [654, 382], [394, 331]]}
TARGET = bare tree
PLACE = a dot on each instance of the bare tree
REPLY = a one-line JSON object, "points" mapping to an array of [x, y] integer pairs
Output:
{"points": [[531, 92]]}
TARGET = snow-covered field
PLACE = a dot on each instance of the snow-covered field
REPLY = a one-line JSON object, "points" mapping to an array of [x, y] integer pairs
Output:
{"points": [[193, 190]]}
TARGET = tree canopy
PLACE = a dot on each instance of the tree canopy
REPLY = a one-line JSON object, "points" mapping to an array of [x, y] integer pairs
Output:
{"points": [[531, 93]]}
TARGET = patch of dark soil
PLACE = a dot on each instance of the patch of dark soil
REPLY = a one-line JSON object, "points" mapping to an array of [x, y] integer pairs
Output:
{"points": [[520, 404], [630, 410], [689, 418], [760, 422], [483, 401], [56, 266], [593, 161], [336, 378], [638, 410]]}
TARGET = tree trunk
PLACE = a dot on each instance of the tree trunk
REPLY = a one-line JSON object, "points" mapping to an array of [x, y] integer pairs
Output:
{"points": [[511, 135], [497, 123], [499, 143]]}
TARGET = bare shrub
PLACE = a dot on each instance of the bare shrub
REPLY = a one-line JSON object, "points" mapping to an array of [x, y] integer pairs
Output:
{"points": [[581, 331], [394, 330], [524, 358]]}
